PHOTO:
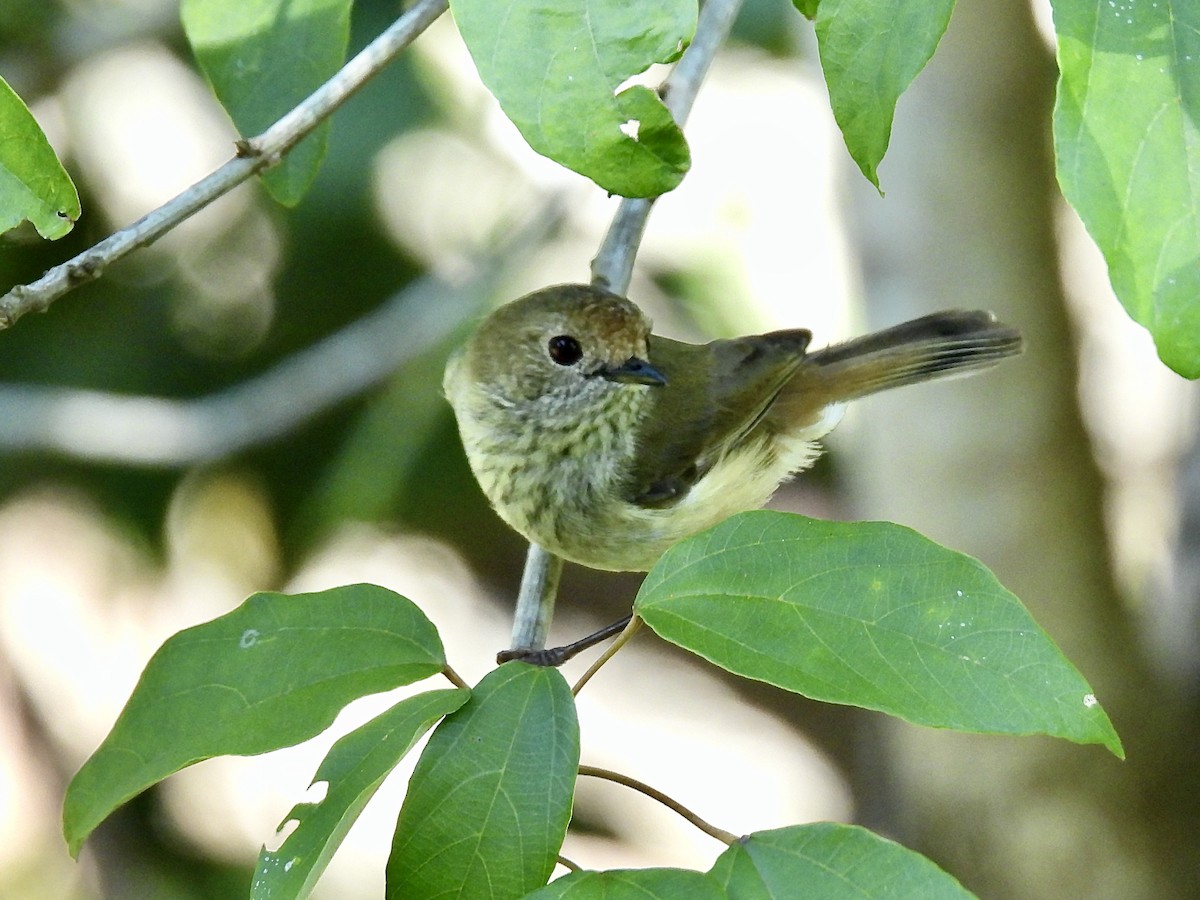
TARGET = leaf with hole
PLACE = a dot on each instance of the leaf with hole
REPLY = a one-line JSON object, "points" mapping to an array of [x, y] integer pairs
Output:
{"points": [[352, 771], [558, 69]]}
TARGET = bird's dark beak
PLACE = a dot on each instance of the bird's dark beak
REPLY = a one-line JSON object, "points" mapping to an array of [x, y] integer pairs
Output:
{"points": [[633, 371]]}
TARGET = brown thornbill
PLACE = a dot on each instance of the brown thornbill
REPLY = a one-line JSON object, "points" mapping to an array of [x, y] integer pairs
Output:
{"points": [[606, 444]]}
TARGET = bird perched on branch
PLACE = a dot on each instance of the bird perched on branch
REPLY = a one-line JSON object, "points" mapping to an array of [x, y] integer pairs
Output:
{"points": [[606, 444]]}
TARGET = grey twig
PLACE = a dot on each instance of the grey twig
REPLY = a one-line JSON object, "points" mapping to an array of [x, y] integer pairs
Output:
{"points": [[612, 268], [160, 431], [613, 265], [253, 155]]}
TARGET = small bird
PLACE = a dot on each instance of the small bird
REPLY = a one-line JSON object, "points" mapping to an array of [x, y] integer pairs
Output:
{"points": [[607, 444]]}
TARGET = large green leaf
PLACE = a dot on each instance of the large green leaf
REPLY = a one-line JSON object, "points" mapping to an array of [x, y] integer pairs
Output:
{"points": [[632, 884], [555, 66], [489, 801], [33, 183], [262, 58], [271, 673], [352, 770], [870, 614], [829, 862], [1127, 135], [871, 50]]}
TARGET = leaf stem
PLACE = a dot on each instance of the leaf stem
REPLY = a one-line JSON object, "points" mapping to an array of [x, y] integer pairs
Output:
{"points": [[454, 678], [630, 629], [612, 269], [253, 155], [725, 837], [568, 864], [613, 266]]}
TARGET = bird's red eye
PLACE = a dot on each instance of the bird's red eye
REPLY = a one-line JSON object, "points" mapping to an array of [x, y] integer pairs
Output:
{"points": [[565, 350]]}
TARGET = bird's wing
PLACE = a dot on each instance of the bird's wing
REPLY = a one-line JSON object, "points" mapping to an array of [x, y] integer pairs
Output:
{"points": [[714, 397]]}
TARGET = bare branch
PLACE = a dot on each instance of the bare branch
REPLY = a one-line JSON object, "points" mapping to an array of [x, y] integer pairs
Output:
{"points": [[160, 431], [613, 265], [253, 156]]}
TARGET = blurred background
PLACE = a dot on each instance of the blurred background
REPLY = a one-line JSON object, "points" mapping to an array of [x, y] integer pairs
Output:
{"points": [[254, 403]]}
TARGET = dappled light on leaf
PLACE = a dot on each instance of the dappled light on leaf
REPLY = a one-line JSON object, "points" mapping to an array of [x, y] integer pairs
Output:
{"points": [[1125, 132], [265, 56]]}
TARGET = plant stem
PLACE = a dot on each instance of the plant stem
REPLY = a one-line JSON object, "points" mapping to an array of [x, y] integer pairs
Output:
{"points": [[454, 678], [169, 431], [253, 156], [630, 629], [567, 864], [612, 269], [720, 834], [613, 266]]}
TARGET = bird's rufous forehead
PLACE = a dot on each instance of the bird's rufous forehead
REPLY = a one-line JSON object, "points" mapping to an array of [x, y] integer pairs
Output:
{"points": [[614, 319], [591, 315]]}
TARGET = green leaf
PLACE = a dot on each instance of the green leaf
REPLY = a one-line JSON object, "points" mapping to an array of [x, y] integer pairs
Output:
{"points": [[33, 183], [870, 614], [632, 884], [353, 770], [829, 861], [555, 67], [1125, 133], [871, 50], [262, 57], [271, 673], [807, 8], [489, 802]]}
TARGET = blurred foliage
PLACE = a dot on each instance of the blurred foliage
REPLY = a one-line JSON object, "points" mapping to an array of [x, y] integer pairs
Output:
{"points": [[120, 334], [125, 333]]}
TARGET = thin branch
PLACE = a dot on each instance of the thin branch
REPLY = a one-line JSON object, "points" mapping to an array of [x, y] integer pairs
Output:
{"points": [[159, 431], [613, 267], [253, 156], [725, 837]]}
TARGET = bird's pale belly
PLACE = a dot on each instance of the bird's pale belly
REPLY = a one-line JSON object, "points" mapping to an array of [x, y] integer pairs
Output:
{"points": [[577, 507]]}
